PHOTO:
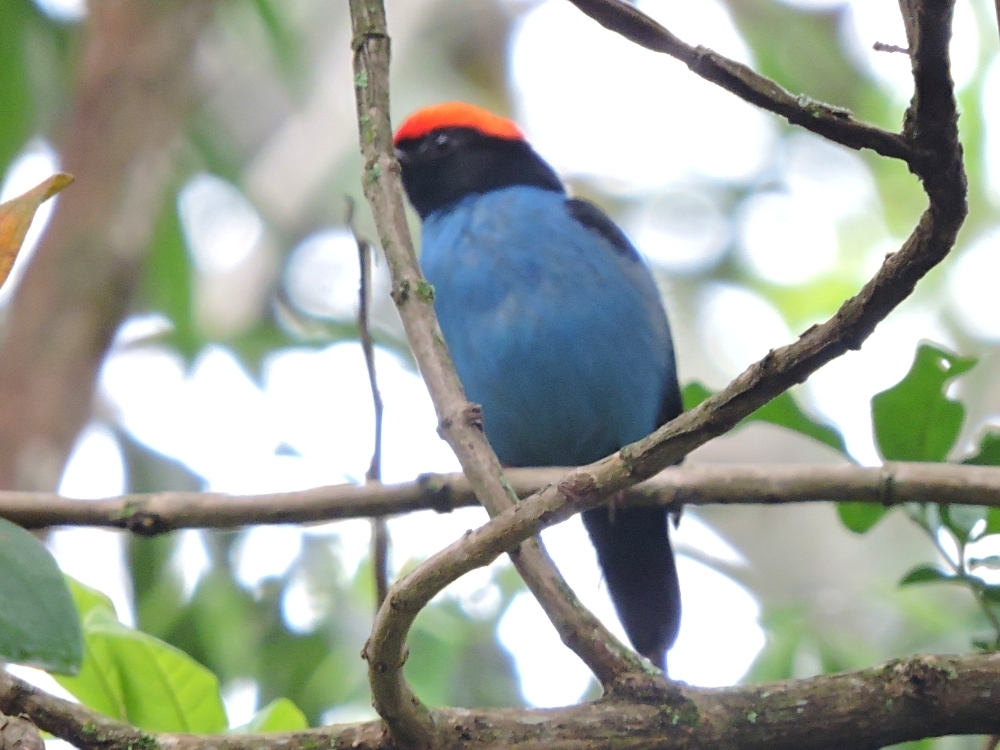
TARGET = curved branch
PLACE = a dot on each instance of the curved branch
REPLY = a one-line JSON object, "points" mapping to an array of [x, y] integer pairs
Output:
{"points": [[891, 484], [902, 700], [932, 132], [675, 487], [833, 123], [931, 126], [459, 421]]}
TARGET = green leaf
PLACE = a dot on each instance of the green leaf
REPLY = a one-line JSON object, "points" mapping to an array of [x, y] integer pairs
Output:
{"points": [[786, 630], [992, 521], [693, 394], [98, 684], [785, 412], [926, 574], [989, 451], [782, 411], [87, 599], [165, 689], [914, 420], [38, 622], [280, 715], [132, 676], [860, 517]]}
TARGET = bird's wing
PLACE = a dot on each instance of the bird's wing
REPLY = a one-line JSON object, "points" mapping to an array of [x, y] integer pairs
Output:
{"points": [[594, 219], [597, 221]]}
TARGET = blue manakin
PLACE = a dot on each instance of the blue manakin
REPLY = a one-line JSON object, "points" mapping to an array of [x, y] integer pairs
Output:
{"points": [[555, 326]]}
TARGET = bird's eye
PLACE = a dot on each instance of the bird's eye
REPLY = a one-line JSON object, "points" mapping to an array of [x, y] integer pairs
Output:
{"points": [[442, 142]]}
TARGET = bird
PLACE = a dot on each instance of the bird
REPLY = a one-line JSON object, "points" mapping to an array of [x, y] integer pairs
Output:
{"points": [[555, 327]]}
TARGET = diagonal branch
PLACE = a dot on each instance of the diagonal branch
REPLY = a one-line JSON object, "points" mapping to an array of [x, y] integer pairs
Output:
{"points": [[931, 127], [834, 123], [892, 484], [674, 487], [459, 421]]}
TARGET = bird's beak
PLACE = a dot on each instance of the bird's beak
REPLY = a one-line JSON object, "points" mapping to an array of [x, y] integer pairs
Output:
{"points": [[402, 157]]}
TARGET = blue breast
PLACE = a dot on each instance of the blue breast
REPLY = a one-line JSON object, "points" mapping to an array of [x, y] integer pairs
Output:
{"points": [[558, 334]]}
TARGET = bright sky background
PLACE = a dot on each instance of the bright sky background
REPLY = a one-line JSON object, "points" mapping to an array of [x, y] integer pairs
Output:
{"points": [[572, 82]]}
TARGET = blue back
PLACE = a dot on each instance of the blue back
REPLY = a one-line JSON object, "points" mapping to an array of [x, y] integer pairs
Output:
{"points": [[558, 333]]}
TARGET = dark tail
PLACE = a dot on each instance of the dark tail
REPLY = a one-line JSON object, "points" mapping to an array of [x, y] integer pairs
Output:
{"points": [[633, 548]]}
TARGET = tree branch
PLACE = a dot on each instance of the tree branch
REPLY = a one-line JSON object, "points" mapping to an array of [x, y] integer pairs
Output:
{"points": [[900, 701], [674, 487], [834, 123], [460, 422], [931, 128], [69, 721]]}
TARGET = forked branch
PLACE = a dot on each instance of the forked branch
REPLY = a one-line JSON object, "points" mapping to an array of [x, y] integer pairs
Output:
{"points": [[930, 145]]}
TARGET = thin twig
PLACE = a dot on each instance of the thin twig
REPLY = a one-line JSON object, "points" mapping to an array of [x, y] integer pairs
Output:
{"points": [[883, 47], [674, 488], [379, 549], [834, 123], [959, 569]]}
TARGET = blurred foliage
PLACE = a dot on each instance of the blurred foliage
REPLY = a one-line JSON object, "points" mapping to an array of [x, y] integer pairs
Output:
{"points": [[264, 67], [17, 116], [130, 675], [782, 57], [782, 411]]}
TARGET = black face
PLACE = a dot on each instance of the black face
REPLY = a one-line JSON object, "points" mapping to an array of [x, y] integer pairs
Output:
{"points": [[450, 163]]}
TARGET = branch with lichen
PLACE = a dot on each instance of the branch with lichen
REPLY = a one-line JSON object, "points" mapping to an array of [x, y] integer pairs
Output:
{"points": [[899, 701]]}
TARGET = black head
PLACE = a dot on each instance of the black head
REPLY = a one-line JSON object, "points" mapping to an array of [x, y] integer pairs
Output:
{"points": [[448, 163]]}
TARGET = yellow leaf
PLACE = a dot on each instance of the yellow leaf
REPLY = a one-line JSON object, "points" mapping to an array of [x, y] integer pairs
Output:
{"points": [[16, 216]]}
